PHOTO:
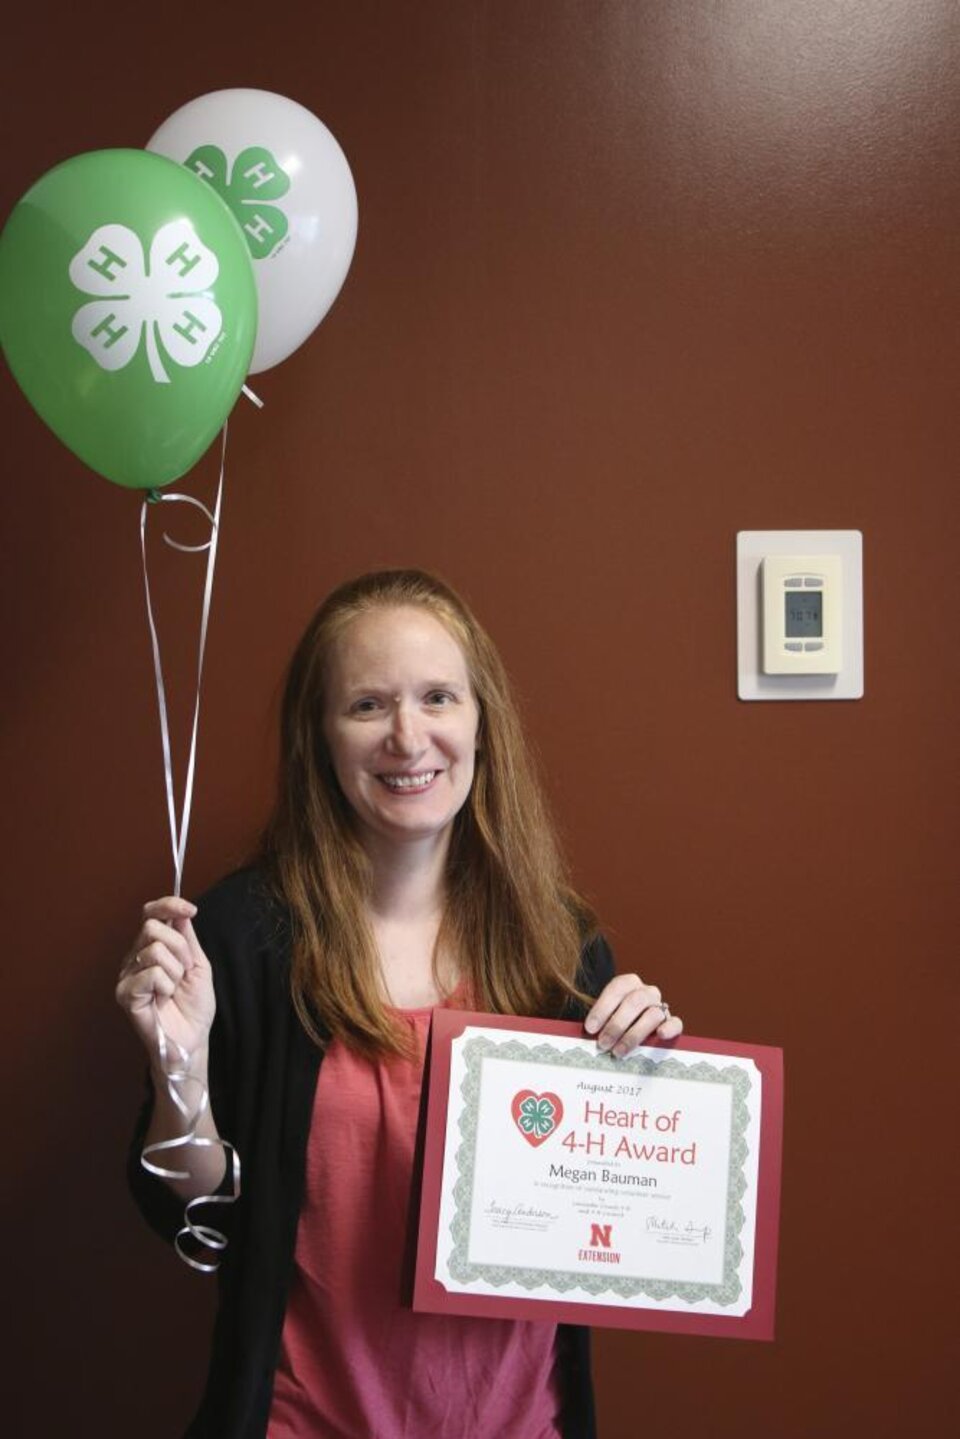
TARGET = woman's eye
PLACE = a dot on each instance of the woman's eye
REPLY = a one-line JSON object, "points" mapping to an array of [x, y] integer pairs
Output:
{"points": [[364, 707], [438, 699]]}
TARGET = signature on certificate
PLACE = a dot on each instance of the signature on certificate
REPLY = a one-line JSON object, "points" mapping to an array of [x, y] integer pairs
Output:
{"points": [[672, 1231], [519, 1216]]}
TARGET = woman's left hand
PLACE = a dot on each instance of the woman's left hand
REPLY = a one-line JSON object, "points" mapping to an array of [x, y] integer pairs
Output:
{"points": [[627, 1012]]}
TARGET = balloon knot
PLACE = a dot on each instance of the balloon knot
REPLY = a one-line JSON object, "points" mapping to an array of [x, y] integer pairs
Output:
{"points": [[154, 497]]}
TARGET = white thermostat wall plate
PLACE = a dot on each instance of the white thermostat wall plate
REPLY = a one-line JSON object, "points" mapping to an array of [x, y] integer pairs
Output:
{"points": [[800, 614]]}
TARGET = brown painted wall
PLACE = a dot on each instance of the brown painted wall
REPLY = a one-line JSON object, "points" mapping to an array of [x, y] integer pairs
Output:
{"points": [[630, 277]]}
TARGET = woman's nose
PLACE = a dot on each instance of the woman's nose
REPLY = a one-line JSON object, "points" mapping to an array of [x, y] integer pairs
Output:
{"points": [[406, 735]]}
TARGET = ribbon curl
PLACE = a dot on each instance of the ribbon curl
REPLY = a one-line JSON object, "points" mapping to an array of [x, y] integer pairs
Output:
{"points": [[205, 1236]]}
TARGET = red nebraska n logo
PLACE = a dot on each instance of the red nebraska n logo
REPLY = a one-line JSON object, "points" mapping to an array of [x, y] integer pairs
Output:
{"points": [[601, 1234]]}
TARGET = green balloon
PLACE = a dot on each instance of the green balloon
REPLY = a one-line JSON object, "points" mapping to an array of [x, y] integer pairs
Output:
{"points": [[128, 311]]}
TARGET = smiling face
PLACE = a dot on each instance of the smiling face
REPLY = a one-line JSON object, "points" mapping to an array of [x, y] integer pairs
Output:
{"points": [[401, 723]]}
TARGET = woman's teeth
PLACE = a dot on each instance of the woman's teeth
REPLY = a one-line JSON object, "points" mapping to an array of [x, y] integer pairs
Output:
{"points": [[408, 781]]}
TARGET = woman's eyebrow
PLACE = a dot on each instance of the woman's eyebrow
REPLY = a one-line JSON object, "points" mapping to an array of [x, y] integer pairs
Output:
{"points": [[374, 688]]}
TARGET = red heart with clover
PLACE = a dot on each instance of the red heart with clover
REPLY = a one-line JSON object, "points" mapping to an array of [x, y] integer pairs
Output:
{"points": [[541, 1122]]}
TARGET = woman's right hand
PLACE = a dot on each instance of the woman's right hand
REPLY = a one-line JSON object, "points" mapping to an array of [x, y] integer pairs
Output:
{"points": [[166, 965]]}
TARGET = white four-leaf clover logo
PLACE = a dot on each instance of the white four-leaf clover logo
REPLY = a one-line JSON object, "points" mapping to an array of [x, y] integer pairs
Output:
{"points": [[162, 298]]}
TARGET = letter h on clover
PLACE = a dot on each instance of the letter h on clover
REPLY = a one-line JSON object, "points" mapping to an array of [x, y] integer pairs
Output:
{"points": [[537, 1117], [164, 298], [255, 179]]}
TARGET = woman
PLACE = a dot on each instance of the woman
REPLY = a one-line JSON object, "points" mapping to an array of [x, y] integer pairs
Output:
{"points": [[408, 864]]}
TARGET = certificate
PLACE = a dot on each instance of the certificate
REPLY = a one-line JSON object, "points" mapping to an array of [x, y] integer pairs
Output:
{"points": [[564, 1185]]}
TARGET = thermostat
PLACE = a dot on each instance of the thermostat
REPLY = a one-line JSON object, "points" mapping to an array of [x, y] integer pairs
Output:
{"points": [[802, 614]]}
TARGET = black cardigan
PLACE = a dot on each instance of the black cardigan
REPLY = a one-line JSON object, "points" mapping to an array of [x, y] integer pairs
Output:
{"points": [[263, 1076]]}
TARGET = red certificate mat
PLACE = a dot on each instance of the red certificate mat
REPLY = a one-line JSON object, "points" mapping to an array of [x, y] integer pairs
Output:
{"points": [[563, 1185]]}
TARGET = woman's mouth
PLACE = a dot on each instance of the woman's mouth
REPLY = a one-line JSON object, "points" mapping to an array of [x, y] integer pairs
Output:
{"points": [[408, 783]]}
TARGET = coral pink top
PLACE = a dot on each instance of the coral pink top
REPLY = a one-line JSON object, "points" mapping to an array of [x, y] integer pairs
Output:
{"points": [[354, 1363]]}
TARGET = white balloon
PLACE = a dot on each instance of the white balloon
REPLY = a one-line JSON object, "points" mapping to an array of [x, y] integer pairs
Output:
{"points": [[288, 183]]}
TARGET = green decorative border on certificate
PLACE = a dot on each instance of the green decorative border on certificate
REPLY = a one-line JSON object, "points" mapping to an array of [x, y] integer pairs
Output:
{"points": [[476, 1051]]}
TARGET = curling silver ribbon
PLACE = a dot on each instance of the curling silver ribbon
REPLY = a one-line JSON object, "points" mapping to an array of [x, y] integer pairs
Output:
{"points": [[204, 1236], [177, 1077]]}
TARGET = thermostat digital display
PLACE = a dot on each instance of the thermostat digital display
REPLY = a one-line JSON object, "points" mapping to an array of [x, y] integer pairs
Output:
{"points": [[802, 613]]}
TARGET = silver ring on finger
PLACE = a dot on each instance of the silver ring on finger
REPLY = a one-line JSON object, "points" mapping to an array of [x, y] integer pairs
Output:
{"points": [[664, 1006]]}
